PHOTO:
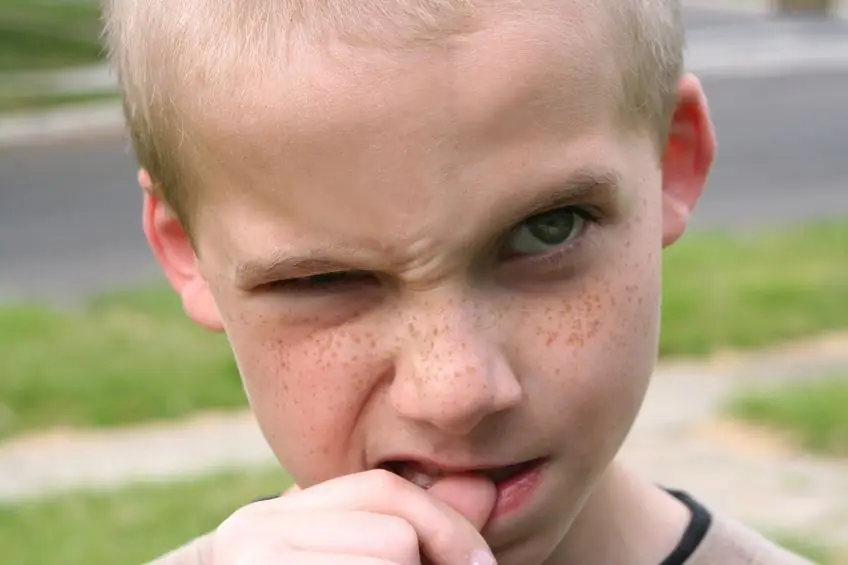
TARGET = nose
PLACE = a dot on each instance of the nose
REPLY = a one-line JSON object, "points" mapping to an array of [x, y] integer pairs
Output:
{"points": [[450, 376]]}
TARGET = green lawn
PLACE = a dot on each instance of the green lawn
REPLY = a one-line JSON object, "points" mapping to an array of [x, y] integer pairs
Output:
{"points": [[130, 525], [135, 357], [814, 412], [128, 358], [735, 291], [48, 34], [814, 550]]}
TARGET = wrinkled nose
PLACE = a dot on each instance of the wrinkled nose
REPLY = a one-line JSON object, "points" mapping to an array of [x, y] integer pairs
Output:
{"points": [[450, 376]]}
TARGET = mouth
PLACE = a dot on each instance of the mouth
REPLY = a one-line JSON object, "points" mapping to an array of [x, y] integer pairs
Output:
{"points": [[425, 475]]}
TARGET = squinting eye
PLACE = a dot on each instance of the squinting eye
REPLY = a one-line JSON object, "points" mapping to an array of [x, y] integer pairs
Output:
{"points": [[546, 231], [325, 282]]}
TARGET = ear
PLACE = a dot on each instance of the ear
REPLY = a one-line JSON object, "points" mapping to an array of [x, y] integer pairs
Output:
{"points": [[688, 158], [173, 249]]}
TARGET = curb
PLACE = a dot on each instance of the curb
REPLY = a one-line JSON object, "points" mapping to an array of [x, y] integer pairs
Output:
{"points": [[777, 55]]}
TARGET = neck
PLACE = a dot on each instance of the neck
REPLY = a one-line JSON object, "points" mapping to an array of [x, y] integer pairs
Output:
{"points": [[626, 519]]}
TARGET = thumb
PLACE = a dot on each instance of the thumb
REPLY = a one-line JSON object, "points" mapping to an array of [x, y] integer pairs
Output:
{"points": [[473, 496]]}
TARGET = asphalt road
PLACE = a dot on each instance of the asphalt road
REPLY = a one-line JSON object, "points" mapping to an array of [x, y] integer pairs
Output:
{"points": [[70, 222]]}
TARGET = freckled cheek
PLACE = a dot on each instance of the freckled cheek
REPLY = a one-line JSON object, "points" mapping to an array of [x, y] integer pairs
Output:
{"points": [[308, 391], [587, 356]]}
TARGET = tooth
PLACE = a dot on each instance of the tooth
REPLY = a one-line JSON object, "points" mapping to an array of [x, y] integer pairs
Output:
{"points": [[418, 477]]}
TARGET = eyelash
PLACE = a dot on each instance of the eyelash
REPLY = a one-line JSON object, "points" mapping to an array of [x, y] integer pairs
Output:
{"points": [[310, 284]]}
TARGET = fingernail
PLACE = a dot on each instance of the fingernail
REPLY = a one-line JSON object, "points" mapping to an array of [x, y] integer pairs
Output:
{"points": [[482, 557]]}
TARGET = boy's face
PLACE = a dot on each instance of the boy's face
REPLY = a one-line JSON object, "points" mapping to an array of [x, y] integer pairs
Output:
{"points": [[445, 255]]}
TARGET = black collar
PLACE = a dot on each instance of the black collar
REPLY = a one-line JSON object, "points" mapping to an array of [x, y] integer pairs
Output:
{"points": [[695, 532]]}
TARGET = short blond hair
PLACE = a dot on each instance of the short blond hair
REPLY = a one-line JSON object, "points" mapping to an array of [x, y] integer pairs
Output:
{"points": [[156, 45]]}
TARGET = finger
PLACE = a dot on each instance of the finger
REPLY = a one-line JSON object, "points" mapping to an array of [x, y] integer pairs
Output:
{"points": [[472, 496], [246, 537], [447, 537], [310, 558], [381, 536]]}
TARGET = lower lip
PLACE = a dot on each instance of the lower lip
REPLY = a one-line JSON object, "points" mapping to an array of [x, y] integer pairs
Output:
{"points": [[516, 491]]}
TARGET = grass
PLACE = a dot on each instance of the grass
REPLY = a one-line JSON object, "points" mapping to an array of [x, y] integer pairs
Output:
{"points": [[130, 525], [814, 550], [814, 413], [746, 291], [49, 34], [134, 357], [127, 358]]}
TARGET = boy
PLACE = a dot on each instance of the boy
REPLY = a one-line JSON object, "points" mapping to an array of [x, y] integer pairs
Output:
{"points": [[431, 230]]}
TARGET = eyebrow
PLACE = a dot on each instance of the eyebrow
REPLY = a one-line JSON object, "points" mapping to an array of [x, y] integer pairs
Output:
{"points": [[580, 184], [583, 183], [265, 269], [598, 184]]}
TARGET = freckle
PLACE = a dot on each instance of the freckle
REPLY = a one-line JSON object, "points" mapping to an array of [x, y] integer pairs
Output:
{"points": [[576, 324], [594, 326]]}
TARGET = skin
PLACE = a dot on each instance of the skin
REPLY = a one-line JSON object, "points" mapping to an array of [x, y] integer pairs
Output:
{"points": [[456, 336]]}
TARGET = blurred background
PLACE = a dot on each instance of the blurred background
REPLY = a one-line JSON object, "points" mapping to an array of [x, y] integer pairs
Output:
{"points": [[123, 429]]}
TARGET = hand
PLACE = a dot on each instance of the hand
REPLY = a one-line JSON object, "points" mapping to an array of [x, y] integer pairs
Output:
{"points": [[370, 518]]}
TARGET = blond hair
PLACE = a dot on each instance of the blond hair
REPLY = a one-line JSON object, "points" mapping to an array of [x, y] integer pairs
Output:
{"points": [[156, 45]]}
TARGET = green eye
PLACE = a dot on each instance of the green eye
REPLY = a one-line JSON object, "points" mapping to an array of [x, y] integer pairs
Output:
{"points": [[546, 231]]}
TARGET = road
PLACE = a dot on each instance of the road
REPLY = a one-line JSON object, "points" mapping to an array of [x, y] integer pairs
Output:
{"points": [[69, 212]]}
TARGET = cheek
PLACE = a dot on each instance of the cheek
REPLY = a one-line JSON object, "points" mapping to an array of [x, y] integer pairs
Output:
{"points": [[308, 390], [588, 353]]}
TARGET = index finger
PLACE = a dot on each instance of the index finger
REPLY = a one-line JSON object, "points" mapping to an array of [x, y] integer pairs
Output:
{"points": [[446, 537]]}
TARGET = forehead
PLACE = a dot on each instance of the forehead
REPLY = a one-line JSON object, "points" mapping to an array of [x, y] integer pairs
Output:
{"points": [[353, 144]]}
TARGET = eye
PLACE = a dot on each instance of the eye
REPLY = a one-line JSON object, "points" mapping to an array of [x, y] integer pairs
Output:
{"points": [[325, 282], [546, 231]]}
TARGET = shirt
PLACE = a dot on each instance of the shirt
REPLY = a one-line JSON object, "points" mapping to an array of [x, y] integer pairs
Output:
{"points": [[718, 540]]}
